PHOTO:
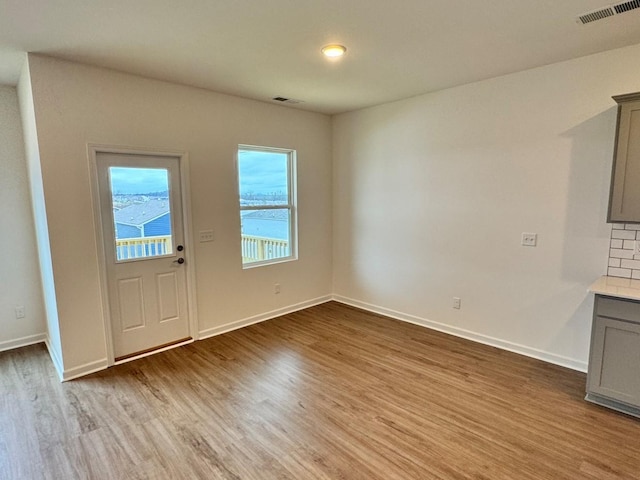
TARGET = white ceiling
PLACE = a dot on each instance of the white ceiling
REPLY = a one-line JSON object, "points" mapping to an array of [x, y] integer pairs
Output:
{"points": [[263, 48]]}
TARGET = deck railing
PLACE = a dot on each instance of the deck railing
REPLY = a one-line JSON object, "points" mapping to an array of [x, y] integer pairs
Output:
{"points": [[255, 249], [128, 248]]}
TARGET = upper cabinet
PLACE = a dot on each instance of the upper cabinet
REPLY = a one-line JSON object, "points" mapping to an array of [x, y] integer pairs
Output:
{"points": [[624, 202]]}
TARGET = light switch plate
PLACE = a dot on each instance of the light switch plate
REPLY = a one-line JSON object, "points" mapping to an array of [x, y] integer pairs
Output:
{"points": [[456, 302], [206, 236]]}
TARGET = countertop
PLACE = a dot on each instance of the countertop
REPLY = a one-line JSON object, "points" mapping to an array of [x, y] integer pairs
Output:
{"points": [[617, 287]]}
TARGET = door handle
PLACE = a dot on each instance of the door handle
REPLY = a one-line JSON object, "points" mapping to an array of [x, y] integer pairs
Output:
{"points": [[180, 261]]}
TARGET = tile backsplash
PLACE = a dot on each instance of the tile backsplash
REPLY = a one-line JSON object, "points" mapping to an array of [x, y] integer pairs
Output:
{"points": [[622, 261]]}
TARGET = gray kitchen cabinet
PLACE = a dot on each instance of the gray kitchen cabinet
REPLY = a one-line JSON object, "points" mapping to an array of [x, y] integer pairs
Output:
{"points": [[624, 200], [613, 378]]}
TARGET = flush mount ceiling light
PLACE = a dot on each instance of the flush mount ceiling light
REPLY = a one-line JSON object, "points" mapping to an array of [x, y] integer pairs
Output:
{"points": [[333, 51]]}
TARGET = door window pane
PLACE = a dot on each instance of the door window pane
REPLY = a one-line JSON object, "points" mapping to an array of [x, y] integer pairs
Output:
{"points": [[141, 212]]}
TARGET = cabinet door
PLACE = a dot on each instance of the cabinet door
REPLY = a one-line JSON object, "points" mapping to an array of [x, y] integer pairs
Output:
{"points": [[624, 205], [614, 369]]}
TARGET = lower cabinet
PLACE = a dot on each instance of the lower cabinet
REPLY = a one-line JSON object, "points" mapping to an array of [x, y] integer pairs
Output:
{"points": [[613, 379]]}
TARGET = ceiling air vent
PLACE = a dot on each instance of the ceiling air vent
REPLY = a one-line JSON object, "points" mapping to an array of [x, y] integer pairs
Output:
{"points": [[290, 101], [597, 15], [626, 6], [608, 11]]}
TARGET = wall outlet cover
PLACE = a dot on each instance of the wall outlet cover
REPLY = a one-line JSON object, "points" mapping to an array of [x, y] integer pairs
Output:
{"points": [[529, 239]]}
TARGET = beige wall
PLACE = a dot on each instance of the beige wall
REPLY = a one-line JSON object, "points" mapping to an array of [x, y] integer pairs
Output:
{"points": [[76, 105], [19, 275], [430, 197], [432, 194]]}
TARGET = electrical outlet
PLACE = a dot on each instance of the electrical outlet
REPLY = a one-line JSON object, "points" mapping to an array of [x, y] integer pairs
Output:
{"points": [[529, 239], [456, 302], [206, 236], [20, 311], [276, 288]]}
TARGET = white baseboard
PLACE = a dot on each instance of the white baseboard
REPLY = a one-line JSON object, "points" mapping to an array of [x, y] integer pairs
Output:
{"points": [[23, 342], [75, 372], [102, 364], [228, 327], [85, 369], [55, 359], [468, 335]]}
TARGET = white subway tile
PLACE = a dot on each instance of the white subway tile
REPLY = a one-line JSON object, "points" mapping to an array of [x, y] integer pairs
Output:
{"points": [[629, 244], [619, 272], [630, 264], [616, 243], [618, 253], [632, 226], [623, 234], [635, 274], [614, 262], [618, 226]]}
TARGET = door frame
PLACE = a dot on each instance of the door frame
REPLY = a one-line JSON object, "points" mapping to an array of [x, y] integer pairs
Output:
{"points": [[183, 161]]}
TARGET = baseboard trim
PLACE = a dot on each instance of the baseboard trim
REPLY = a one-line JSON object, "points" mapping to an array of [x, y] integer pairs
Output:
{"points": [[23, 342], [55, 359], [228, 327], [96, 366], [102, 364], [85, 369], [467, 334]]}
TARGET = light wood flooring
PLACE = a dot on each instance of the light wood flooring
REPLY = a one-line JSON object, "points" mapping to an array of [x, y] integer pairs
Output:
{"points": [[327, 393]]}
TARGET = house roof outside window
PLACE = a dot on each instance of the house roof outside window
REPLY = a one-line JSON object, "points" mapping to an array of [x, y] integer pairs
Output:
{"points": [[139, 214]]}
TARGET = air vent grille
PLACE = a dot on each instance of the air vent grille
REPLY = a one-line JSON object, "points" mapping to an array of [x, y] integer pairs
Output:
{"points": [[290, 101], [597, 15], [626, 6], [608, 11]]}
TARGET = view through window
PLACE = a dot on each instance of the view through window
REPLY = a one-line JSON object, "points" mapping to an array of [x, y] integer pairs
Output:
{"points": [[267, 211], [141, 212]]}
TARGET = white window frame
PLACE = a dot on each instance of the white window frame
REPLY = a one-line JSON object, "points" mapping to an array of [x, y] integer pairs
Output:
{"points": [[290, 205]]}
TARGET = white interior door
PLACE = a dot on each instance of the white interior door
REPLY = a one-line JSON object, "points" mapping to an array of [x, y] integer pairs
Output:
{"points": [[143, 232]]}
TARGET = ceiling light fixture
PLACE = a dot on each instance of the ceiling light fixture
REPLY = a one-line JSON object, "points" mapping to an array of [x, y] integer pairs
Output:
{"points": [[333, 51]]}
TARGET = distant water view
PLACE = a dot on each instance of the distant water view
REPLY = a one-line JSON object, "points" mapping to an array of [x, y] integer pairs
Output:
{"points": [[269, 224]]}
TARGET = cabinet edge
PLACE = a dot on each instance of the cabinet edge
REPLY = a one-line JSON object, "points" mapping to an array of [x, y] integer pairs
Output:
{"points": [[627, 97], [613, 404]]}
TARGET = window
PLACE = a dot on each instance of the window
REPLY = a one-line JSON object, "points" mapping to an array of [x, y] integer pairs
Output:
{"points": [[266, 184], [141, 201]]}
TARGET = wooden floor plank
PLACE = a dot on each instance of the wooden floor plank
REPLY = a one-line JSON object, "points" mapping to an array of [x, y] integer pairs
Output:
{"points": [[330, 392]]}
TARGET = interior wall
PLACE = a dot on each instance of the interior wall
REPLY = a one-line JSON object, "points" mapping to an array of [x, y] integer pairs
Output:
{"points": [[19, 275], [432, 194], [76, 105]]}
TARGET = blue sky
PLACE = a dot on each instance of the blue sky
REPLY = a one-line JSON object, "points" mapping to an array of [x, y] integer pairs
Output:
{"points": [[138, 180], [262, 172]]}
